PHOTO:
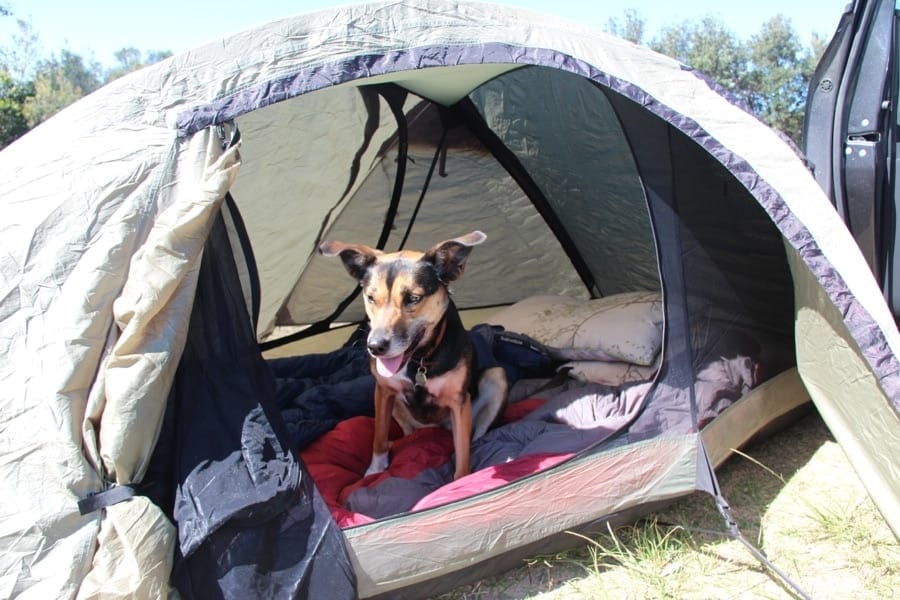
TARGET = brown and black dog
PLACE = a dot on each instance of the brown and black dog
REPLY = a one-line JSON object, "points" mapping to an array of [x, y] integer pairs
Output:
{"points": [[421, 354]]}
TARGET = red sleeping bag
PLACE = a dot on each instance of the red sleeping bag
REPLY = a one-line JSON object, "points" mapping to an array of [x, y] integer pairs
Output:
{"points": [[338, 460]]}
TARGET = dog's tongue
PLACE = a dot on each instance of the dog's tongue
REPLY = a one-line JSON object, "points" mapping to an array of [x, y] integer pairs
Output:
{"points": [[388, 367]]}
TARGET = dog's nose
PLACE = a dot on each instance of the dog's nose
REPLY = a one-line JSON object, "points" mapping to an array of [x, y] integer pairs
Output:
{"points": [[378, 346]]}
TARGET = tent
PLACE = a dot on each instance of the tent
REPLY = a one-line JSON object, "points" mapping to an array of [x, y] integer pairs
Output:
{"points": [[159, 234]]}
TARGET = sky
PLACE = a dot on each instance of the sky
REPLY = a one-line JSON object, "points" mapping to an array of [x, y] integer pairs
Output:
{"points": [[95, 29]]}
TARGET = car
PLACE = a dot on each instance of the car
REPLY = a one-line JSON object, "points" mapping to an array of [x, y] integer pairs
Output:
{"points": [[850, 134]]}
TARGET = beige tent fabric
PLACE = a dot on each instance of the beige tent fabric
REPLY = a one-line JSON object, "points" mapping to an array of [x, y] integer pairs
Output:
{"points": [[134, 553], [860, 416], [67, 235], [153, 310], [136, 541], [92, 334]]}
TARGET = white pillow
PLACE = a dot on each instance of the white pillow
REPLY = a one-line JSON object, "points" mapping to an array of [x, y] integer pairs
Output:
{"points": [[610, 373], [623, 327]]}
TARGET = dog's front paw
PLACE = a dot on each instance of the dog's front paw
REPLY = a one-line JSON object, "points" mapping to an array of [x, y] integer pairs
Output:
{"points": [[379, 463]]}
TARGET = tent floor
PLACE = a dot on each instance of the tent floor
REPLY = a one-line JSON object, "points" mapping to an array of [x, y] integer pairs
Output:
{"points": [[765, 409]]}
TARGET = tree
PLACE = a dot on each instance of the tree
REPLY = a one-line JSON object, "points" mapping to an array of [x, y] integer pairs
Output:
{"points": [[131, 59], [632, 28], [58, 83], [52, 93], [709, 47], [770, 72], [83, 76], [14, 89], [12, 100], [21, 56], [32, 89], [778, 75]]}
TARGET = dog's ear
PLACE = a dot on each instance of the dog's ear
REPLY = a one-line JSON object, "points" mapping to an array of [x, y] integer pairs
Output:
{"points": [[356, 257], [449, 257]]}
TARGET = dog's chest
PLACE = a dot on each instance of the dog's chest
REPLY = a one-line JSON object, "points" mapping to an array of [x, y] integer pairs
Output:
{"points": [[424, 390], [427, 402]]}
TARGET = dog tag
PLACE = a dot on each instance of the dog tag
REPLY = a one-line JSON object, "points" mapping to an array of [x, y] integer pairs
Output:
{"points": [[421, 379]]}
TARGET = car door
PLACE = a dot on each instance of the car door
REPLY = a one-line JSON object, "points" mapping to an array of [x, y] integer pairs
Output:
{"points": [[850, 133]]}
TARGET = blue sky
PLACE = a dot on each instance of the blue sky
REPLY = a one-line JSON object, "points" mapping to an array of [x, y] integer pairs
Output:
{"points": [[97, 28]]}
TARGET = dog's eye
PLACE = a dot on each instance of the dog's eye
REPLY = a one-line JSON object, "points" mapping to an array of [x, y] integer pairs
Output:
{"points": [[370, 299], [412, 299]]}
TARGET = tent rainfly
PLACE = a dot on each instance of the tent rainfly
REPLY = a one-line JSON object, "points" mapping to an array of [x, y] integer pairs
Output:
{"points": [[158, 244]]}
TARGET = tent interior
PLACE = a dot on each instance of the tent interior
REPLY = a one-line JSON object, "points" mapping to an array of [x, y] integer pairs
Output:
{"points": [[582, 194], [559, 181]]}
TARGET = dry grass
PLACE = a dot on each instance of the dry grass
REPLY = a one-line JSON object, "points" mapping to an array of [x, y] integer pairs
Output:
{"points": [[794, 496]]}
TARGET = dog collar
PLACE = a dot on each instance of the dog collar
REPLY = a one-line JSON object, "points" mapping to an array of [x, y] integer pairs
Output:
{"points": [[421, 378]]}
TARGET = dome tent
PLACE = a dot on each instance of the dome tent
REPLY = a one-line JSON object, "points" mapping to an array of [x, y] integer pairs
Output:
{"points": [[158, 229]]}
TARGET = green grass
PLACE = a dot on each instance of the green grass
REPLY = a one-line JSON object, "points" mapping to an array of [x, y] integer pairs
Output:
{"points": [[652, 556]]}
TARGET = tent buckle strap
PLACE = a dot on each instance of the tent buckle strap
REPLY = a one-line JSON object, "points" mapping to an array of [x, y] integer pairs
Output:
{"points": [[113, 495]]}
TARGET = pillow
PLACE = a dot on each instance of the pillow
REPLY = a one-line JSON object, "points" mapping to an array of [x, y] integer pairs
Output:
{"points": [[609, 373], [623, 327]]}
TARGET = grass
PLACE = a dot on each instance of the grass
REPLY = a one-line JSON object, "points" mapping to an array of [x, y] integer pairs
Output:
{"points": [[649, 554], [794, 497]]}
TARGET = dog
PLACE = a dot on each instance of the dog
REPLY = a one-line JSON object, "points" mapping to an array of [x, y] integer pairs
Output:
{"points": [[420, 353]]}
